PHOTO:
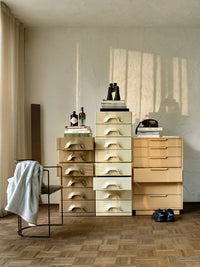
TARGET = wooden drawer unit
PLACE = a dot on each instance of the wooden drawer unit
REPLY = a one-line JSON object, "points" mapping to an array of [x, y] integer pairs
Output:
{"points": [[75, 143], [76, 156], [108, 155], [112, 183], [113, 169], [113, 117], [113, 163], [157, 174], [112, 143]]}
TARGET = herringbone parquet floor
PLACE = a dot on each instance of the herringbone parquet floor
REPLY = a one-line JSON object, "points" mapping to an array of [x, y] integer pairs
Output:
{"points": [[106, 241]]}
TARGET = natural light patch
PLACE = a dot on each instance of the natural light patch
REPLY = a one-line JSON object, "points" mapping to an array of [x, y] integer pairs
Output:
{"points": [[158, 86], [176, 79], [77, 77], [184, 89]]}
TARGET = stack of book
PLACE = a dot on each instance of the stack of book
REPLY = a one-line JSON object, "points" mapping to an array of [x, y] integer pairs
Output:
{"points": [[113, 105], [149, 131], [77, 131]]}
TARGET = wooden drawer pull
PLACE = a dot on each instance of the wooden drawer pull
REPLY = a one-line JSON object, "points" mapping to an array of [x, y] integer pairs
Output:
{"points": [[72, 183], [109, 208], [107, 185], [73, 208], [72, 156], [159, 147], [108, 131], [112, 117], [159, 169], [70, 143], [107, 144], [70, 170], [157, 157], [160, 139], [108, 196], [161, 195], [111, 169], [107, 157], [73, 195]]}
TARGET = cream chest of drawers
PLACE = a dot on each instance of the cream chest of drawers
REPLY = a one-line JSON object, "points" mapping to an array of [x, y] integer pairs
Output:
{"points": [[157, 174], [113, 164], [76, 156]]}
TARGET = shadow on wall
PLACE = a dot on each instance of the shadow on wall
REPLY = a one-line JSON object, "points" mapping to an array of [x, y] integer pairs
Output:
{"points": [[156, 87]]}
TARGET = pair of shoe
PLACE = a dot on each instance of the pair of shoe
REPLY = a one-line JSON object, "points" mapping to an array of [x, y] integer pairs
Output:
{"points": [[163, 215]]}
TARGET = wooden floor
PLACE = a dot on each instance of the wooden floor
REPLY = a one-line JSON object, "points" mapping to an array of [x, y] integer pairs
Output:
{"points": [[106, 241]]}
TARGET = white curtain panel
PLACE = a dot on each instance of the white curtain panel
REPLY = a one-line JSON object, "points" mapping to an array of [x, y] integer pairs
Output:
{"points": [[12, 117]]}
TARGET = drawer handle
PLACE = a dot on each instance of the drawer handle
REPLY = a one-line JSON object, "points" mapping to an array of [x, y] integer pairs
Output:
{"points": [[111, 169], [73, 208], [108, 196], [72, 156], [159, 169], [70, 143], [73, 195], [111, 207], [107, 144], [107, 157], [72, 183], [70, 170], [157, 157], [107, 185], [112, 117], [108, 131], [159, 195], [159, 147]]}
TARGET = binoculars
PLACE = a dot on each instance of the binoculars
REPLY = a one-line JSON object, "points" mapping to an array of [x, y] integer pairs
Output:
{"points": [[113, 88]]}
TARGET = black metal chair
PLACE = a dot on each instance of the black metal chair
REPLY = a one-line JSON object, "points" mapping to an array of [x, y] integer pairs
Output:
{"points": [[48, 189]]}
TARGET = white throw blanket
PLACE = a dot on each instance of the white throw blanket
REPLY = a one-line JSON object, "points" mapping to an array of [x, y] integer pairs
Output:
{"points": [[24, 190]]}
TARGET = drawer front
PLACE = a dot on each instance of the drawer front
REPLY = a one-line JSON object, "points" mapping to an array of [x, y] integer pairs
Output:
{"points": [[113, 169], [114, 207], [113, 143], [111, 195], [113, 155], [157, 189], [79, 206], [75, 143], [113, 117], [78, 169], [73, 182], [157, 151], [142, 175], [78, 194], [150, 202], [157, 142], [113, 130], [157, 162], [76, 156], [112, 183]]}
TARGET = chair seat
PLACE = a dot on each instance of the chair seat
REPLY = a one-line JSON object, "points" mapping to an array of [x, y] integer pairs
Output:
{"points": [[52, 189]]}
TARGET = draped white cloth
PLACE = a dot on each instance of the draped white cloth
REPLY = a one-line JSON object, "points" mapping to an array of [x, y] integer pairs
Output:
{"points": [[24, 189], [12, 115]]}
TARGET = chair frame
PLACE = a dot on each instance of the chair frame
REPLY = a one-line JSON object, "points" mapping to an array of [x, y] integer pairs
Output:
{"points": [[49, 224]]}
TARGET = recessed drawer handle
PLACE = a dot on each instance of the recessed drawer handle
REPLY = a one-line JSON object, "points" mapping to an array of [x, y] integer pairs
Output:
{"points": [[70, 143], [159, 169], [72, 183], [112, 117], [159, 147], [157, 157], [109, 207], [160, 139], [73, 195], [159, 195], [107, 157], [111, 169], [70, 170], [107, 144], [108, 196], [107, 185], [108, 131], [71, 157], [73, 208]]}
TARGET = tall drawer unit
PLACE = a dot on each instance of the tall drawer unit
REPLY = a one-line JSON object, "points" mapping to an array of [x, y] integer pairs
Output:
{"points": [[157, 174], [113, 164], [76, 156]]}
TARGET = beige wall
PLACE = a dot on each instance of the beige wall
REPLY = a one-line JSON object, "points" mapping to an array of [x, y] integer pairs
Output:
{"points": [[158, 71]]}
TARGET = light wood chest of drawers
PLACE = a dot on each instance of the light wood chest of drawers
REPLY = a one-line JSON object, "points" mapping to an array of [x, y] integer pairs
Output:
{"points": [[157, 174], [113, 164], [76, 156]]}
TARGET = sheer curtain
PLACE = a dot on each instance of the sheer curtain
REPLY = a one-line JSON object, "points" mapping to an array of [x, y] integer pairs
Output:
{"points": [[12, 122]]}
